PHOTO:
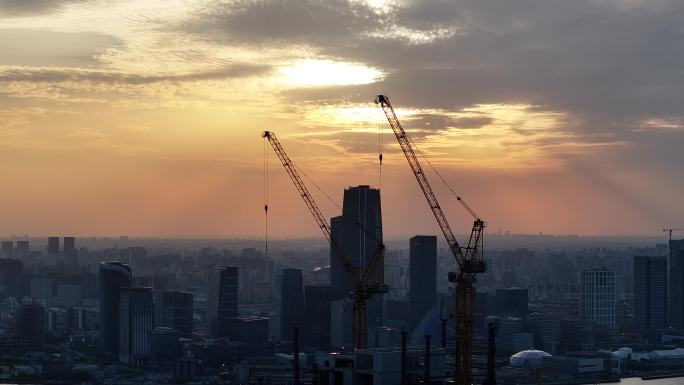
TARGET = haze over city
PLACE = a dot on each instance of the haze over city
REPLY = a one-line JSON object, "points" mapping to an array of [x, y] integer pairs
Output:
{"points": [[144, 118]]}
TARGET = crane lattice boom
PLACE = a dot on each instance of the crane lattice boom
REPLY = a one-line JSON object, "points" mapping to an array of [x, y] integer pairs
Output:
{"points": [[364, 286]]}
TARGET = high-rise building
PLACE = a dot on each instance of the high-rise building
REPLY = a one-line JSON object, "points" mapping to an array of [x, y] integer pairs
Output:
{"points": [[676, 284], [251, 330], [69, 245], [136, 322], [292, 302], [423, 275], [358, 232], [317, 315], [597, 298], [7, 249], [114, 276], [53, 245], [11, 271], [70, 251], [512, 302], [29, 327], [22, 251], [42, 290], [68, 295], [222, 299], [650, 292], [175, 309]]}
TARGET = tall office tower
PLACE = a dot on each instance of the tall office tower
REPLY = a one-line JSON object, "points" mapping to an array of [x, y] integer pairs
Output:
{"points": [[358, 232], [650, 292], [70, 251], [22, 251], [317, 315], [176, 311], [222, 299], [114, 276], [597, 298], [53, 245], [7, 249], [292, 303], [11, 271], [136, 322], [512, 302], [338, 277], [423, 275], [676, 289]]}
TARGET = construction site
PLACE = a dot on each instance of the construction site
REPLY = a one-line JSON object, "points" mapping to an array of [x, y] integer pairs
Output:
{"points": [[452, 362]]}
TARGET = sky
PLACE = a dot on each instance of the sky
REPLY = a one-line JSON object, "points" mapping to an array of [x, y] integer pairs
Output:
{"points": [[143, 118]]}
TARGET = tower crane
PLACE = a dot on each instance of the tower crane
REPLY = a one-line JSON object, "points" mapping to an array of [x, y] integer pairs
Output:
{"points": [[671, 230], [365, 285], [469, 259]]}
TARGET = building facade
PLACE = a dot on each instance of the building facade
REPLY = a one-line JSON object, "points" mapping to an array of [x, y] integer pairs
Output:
{"points": [[291, 302], [597, 298], [650, 292], [676, 284], [422, 275], [175, 310], [113, 277], [136, 323], [512, 302], [222, 299]]}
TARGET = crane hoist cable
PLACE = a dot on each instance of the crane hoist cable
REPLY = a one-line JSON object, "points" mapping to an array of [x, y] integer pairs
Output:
{"points": [[266, 198], [458, 197]]}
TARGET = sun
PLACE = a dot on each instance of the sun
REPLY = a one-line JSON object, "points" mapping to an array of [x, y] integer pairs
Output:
{"points": [[306, 73]]}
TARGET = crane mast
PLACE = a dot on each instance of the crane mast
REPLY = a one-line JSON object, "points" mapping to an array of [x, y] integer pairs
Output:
{"points": [[364, 285], [469, 259]]}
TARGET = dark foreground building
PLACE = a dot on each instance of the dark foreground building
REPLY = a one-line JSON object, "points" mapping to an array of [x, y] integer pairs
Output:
{"points": [[114, 276]]}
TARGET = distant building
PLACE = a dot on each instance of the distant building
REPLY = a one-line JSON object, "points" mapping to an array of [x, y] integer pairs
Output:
{"points": [[114, 277], [70, 251], [512, 302], [53, 245], [42, 290], [11, 272], [22, 251], [29, 327], [292, 302], [676, 289], [165, 346], [77, 318], [222, 299], [341, 323], [317, 316], [7, 249], [597, 298], [136, 322], [68, 295], [176, 311], [650, 292], [423, 275], [248, 329]]}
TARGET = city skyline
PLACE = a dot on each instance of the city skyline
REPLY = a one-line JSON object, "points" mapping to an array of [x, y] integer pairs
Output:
{"points": [[143, 118]]}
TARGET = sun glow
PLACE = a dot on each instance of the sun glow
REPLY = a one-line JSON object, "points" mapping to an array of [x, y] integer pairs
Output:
{"points": [[327, 72]]}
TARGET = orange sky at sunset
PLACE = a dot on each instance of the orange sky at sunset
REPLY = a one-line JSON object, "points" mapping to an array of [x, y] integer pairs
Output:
{"points": [[143, 118]]}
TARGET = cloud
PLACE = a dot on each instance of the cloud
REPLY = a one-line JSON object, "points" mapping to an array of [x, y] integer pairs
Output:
{"points": [[33, 7], [606, 61], [55, 75]]}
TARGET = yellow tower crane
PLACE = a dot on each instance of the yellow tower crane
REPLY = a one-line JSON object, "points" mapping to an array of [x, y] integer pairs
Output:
{"points": [[469, 259]]}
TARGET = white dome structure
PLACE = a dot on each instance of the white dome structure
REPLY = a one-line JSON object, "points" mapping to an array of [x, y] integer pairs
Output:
{"points": [[528, 359]]}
